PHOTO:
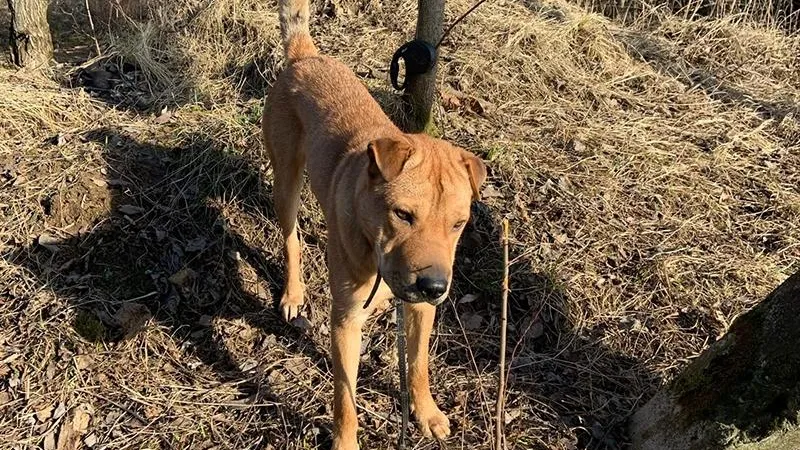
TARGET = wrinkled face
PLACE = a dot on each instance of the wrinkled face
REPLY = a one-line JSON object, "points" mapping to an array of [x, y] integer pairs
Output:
{"points": [[421, 191]]}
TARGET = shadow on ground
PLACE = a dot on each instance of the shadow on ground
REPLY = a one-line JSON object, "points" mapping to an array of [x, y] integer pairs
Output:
{"points": [[153, 243], [569, 382]]}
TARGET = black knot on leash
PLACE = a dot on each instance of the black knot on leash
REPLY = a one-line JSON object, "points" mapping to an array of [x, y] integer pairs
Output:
{"points": [[419, 57]]}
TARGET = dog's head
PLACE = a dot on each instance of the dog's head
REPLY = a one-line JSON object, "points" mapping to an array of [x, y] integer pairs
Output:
{"points": [[414, 209]]}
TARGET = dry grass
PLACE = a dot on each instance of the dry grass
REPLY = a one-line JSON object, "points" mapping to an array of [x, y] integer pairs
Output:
{"points": [[649, 170]]}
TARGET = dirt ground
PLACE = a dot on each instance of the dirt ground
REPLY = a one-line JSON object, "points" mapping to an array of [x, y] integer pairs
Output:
{"points": [[649, 167]]}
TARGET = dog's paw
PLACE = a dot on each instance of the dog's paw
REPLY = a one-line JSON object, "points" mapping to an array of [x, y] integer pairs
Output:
{"points": [[291, 306], [433, 422]]}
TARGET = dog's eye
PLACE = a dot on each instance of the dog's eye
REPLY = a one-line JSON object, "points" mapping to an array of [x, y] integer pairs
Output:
{"points": [[405, 216], [459, 225]]}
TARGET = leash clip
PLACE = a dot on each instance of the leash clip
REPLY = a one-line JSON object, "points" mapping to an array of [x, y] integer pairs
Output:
{"points": [[419, 57]]}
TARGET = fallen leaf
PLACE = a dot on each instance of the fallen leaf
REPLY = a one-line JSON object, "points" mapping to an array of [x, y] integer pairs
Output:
{"points": [[537, 330], [99, 182], [511, 414], [195, 245], [130, 209], [50, 441], [180, 277], [471, 321], [163, 117], [44, 414], [302, 323], [151, 412], [49, 242], [90, 440], [490, 192], [59, 412], [578, 146], [295, 365], [248, 365], [469, 298], [450, 100], [131, 317], [83, 361], [62, 139], [74, 427]]}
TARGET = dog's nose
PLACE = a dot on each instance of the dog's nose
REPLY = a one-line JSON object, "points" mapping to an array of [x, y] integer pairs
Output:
{"points": [[432, 287]]}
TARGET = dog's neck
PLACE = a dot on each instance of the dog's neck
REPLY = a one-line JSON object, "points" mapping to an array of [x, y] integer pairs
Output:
{"points": [[344, 226]]}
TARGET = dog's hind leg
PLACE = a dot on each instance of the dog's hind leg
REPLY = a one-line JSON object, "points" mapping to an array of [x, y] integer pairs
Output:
{"points": [[283, 143]]}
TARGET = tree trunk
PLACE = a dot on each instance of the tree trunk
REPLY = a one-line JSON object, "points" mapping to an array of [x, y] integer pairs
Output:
{"points": [[421, 89], [743, 392], [31, 44]]}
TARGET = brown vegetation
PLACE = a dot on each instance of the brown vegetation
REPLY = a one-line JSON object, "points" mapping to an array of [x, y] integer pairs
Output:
{"points": [[649, 169]]}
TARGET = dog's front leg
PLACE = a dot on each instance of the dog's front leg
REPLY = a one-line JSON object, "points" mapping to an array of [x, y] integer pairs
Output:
{"points": [[347, 319], [419, 323]]}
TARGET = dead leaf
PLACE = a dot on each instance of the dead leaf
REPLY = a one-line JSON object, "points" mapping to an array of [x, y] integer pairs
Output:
{"points": [[49, 242], [537, 330], [578, 146], [471, 321], [130, 209], [131, 317], [450, 100], [60, 411], [295, 365], [163, 117], [152, 411], [511, 414], [302, 323], [248, 365], [44, 414], [83, 361], [469, 298], [50, 372], [99, 182], [490, 192], [90, 440], [50, 441], [475, 105], [74, 427], [195, 245], [180, 277], [62, 139]]}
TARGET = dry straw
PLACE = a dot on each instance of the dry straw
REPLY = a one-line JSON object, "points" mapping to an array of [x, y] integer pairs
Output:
{"points": [[648, 169]]}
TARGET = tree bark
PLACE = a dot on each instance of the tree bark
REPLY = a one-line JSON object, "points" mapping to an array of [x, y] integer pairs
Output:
{"points": [[31, 44], [743, 392], [421, 89]]}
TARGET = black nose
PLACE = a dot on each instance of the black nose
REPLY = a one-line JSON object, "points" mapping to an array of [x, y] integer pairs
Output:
{"points": [[432, 287]]}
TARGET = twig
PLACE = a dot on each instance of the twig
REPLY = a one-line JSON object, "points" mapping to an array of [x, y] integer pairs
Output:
{"points": [[401, 358], [498, 427], [463, 16], [91, 25]]}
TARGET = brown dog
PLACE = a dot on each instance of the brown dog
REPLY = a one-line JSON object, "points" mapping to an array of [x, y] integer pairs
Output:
{"points": [[393, 202]]}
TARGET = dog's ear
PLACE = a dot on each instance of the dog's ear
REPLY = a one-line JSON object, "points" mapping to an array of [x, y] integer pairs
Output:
{"points": [[387, 157], [477, 173]]}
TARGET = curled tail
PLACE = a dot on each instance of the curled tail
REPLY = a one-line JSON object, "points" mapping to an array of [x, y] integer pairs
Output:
{"points": [[297, 42]]}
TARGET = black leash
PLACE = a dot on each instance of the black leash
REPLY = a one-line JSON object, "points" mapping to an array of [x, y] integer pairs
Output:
{"points": [[401, 358], [420, 56]]}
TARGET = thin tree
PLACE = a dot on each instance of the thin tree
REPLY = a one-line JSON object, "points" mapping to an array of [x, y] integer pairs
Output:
{"points": [[31, 44], [421, 89]]}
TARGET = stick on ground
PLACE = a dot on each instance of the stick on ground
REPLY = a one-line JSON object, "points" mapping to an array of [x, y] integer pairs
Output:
{"points": [[498, 427]]}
